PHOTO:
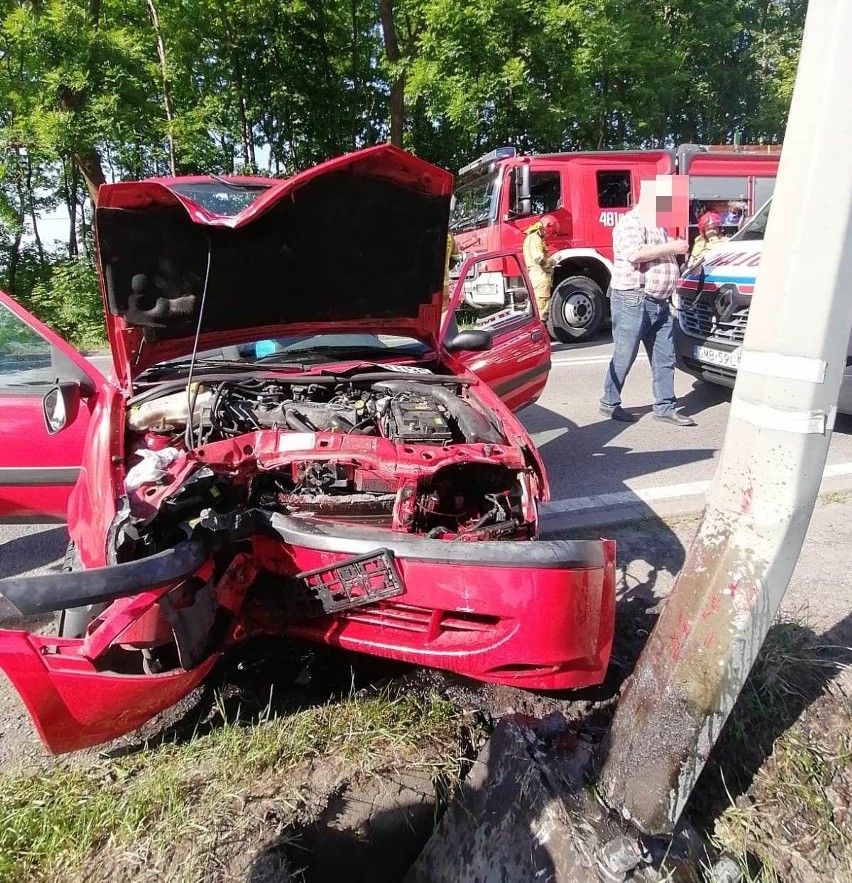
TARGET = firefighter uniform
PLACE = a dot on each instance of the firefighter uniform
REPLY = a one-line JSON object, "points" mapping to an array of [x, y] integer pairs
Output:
{"points": [[453, 254], [709, 236], [539, 267]]}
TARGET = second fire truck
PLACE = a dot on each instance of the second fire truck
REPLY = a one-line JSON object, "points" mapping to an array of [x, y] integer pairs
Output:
{"points": [[501, 194]]}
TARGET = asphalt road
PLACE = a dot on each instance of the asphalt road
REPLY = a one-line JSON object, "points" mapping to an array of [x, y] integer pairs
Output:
{"points": [[586, 455]]}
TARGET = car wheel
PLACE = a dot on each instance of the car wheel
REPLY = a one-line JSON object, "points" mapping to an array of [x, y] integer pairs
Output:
{"points": [[74, 621], [576, 310]]}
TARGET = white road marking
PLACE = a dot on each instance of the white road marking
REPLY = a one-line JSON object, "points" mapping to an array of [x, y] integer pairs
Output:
{"points": [[591, 360], [655, 494], [548, 435], [837, 470]]}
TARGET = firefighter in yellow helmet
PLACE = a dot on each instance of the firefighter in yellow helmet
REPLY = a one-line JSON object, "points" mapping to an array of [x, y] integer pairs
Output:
{"points": [[538, 264], [453, 254]]}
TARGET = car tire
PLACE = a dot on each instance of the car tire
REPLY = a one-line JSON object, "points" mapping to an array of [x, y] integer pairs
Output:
{"points": [[74, 621], [576, 310]]}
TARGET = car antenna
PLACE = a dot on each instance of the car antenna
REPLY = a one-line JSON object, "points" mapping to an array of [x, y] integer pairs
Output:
{"points": [[190, 395]]}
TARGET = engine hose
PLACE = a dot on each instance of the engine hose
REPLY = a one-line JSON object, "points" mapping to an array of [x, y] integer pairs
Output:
{"points": [[474, 425], [298, 422], [363, 427], [436, 533]]}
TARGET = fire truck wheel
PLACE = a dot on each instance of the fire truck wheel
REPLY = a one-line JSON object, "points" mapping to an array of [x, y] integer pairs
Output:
{"points": [[576, 310]]}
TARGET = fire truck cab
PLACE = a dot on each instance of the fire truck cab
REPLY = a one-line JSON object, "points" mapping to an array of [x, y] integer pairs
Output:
{"points": [[501, 194]]}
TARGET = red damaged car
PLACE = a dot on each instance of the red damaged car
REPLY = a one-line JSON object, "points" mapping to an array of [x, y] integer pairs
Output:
{"points": [[291, 443]]}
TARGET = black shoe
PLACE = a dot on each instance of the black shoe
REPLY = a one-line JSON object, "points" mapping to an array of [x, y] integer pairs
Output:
{"points": [[675, 418], [617, 413]]}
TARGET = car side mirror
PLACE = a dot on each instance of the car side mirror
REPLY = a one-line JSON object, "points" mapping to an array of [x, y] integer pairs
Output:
{"points": [[59, 406], [470, 341]]}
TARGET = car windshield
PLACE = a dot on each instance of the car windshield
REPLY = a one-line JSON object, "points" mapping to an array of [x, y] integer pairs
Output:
{"points": [[310, 349], [755, 229], [475, 203], [220, 196]]}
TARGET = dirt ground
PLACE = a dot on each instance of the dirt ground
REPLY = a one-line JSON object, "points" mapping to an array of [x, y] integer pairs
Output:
{"points": [[370, 813]]}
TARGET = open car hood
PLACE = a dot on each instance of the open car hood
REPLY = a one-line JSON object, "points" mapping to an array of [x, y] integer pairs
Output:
{"points": [[354, 244]]}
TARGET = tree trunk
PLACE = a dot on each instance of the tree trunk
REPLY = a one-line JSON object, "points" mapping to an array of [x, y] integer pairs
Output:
{"points": [[164, 74], [89, 164], [13, 266], [31, 206], [20, 217], [353, 116], [85, 229], [397, 89], [239, 90], [603, 114], [599, 143], [71, 202], [248, 147]]}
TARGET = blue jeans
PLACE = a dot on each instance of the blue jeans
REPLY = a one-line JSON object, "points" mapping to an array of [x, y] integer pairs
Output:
{"points": [[638, 319]]}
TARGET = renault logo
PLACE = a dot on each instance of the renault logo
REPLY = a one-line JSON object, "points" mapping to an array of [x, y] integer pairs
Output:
{"points": [[725, 303]]}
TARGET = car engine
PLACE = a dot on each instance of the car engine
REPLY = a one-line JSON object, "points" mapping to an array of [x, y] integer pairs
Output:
{"points": [[393, 477]]}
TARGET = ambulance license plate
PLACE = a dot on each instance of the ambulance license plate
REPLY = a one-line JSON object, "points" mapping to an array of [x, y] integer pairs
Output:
{"points": [[722, 358]]}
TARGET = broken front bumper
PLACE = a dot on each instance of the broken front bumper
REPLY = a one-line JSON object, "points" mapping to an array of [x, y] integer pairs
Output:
{"points": [[531, 614]]}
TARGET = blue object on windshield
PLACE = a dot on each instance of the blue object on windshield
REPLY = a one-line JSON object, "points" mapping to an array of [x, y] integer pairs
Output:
{"points": [[264, 348]]}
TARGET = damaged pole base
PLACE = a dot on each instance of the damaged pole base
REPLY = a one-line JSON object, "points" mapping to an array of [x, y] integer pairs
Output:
{"points": [[526, 812]]}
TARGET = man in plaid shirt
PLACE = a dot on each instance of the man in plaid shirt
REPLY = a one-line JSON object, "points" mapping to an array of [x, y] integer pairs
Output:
{"points": [[644, 278]]}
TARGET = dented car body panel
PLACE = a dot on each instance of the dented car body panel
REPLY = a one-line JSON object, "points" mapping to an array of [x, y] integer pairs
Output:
{"points": [[356, 243], [326, 471]]}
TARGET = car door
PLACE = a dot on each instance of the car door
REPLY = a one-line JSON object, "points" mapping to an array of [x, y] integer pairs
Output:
{"points": [[518, 363], [39, 469]]}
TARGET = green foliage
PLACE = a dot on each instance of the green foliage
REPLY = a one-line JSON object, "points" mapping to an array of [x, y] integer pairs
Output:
{"points": [[298, 82], [69, 301], [86, 96]]}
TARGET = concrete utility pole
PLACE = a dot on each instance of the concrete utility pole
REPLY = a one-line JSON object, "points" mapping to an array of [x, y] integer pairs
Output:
{"points": [[782, 414]]}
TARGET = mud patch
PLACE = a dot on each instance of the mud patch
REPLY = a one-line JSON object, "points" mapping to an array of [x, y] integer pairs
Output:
{"points": [[371, 829]]}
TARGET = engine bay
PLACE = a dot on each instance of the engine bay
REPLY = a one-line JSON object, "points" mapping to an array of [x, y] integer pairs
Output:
{"points": [[412, 453]]}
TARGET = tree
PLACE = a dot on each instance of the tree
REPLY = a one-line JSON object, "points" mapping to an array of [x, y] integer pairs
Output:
{"points": [[394, 57], [95, 90]]}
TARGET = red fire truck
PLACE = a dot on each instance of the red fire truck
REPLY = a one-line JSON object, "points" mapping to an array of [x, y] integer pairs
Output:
{"points": [[502, 193]]}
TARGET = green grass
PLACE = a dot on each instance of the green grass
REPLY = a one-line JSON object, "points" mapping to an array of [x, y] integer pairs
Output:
{"points": [[790, 821], [158, 802]]}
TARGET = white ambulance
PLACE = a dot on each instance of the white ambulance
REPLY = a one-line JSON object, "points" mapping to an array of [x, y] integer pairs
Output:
{"points": [[712, 305]]}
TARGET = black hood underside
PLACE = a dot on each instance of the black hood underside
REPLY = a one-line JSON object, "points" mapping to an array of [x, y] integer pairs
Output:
{"points": [[342, 247]]}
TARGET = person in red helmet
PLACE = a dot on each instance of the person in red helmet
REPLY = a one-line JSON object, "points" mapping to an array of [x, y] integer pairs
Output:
{"points": [[539, 266], [709, 235]]}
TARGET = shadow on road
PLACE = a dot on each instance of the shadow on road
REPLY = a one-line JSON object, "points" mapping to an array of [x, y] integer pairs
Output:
{"points": [[641, 555], [566, 446], [595, 343], [31, 551]]}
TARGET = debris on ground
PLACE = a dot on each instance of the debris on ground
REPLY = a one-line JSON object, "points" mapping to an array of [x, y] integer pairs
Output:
{"points": [[293, 765]]}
